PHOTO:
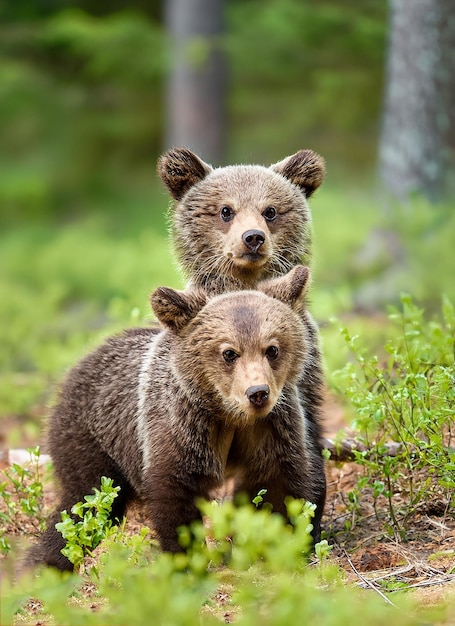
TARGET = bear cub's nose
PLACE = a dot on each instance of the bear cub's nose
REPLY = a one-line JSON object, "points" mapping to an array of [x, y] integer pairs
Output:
{"points": [[253, 239], [258, 394]]}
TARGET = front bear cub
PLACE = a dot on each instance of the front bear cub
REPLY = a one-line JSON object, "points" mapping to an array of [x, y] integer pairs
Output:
{"points": [[170, 415]]}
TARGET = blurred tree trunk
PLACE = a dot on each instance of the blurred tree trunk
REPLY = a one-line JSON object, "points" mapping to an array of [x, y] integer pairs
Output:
{"points": [[416, 145], [196, 89]]}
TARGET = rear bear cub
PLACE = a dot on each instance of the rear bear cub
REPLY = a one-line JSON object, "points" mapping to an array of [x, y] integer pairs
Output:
{"points": [[171, 414]]}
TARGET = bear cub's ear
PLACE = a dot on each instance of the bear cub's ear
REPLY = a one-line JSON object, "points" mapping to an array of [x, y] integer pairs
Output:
{"points": [[290, 288], [175, 309], [305, 168], [180, 169]]}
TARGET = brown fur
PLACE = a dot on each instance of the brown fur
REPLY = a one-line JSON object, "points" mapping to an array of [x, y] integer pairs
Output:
{"points": [[169, 418], [213, 252]]}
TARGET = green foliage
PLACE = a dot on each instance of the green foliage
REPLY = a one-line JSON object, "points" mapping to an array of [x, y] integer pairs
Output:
{"points": [[249, 557], [95, 523], [21, 495], [79, 112], [82, 93], [236, 530], [259, 499], [426, 233], [100, 44], [316, 55], [62, 290], [366, 256], [407, 398]]}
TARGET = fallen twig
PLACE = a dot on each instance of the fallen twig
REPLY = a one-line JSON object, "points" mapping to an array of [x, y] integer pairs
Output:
{"points": [[427, 583], [342, 451], [345, 449], [365, 580]]}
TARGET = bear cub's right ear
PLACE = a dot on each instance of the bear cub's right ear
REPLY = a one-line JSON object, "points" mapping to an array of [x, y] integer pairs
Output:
{"points": [[180, 169], [305, 168], [175, 309], [290, 288]]}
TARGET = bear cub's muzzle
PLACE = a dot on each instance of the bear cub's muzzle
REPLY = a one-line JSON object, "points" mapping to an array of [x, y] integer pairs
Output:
{"points": [[253, 239], [258, 394]]}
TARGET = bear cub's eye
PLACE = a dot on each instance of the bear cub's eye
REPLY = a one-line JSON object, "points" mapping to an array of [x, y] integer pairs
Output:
{"points": [[270, 213], [230, 356], [226, 213], [272, 353]]}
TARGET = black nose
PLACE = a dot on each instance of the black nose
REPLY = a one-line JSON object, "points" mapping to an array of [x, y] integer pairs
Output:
{"points": [[253, 239], [258, 394]]}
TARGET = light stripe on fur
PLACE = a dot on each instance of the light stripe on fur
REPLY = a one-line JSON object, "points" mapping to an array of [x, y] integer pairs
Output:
{"points": [[142, 390]]}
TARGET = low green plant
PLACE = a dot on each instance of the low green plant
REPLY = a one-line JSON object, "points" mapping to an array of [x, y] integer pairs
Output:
{"points": [[407, 397], [241, 562], [94, 525], [245, 534], [322, 550], [21, 495]]}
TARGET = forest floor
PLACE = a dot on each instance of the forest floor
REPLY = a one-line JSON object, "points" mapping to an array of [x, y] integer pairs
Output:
{"points": [[370, 557]]}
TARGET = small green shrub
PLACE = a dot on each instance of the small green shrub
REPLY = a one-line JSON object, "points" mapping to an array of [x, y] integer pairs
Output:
{"points": [[21, 495], [244, 535], [408, 397], [94, 525]]}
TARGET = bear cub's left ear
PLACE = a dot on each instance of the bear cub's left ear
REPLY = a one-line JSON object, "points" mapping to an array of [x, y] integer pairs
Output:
{"points": [[305, 168], [180, 169], [290, 288], [175, 309]]}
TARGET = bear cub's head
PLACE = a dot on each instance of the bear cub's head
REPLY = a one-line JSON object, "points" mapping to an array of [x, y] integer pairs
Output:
{"points": [[240, 349], [233, 226]]}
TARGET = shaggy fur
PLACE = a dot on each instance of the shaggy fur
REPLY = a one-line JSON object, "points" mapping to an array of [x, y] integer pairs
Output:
{"points": [[235, 226], [170, 415]]}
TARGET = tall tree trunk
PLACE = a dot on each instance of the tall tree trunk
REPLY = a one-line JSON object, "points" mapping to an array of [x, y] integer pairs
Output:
{"points": [[415, 146], [197, 77]]}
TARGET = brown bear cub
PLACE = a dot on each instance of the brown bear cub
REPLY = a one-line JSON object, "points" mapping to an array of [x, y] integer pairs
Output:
{"points": [[235, 226], [171, 414]]}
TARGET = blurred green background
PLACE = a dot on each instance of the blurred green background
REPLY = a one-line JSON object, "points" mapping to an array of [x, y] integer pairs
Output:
{"points": [[83, 233]]}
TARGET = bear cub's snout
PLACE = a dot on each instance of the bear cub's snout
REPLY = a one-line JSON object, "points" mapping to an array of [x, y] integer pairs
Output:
{"points": [[258, 394], [253, 239]]}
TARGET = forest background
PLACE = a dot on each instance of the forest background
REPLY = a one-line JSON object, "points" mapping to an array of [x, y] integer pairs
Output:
{"points": [[85, 110]]}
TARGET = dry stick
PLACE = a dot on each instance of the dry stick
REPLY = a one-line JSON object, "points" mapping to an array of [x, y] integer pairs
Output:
{"points": [[365, 580], [428, 583], [342, 451]]}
